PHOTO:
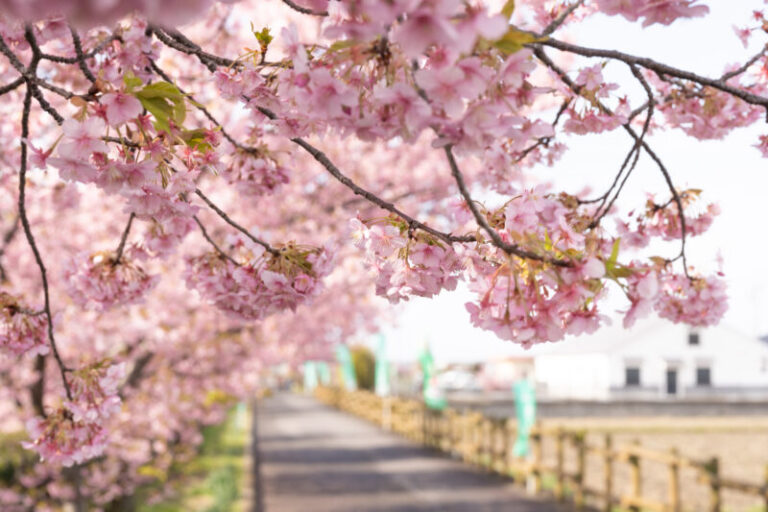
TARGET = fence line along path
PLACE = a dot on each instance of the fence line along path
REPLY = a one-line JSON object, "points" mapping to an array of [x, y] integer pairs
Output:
{"points": [[487, 443], [318, 459]]}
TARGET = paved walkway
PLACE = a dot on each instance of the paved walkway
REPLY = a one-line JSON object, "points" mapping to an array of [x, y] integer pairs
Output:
{"points": [[314, 458]]}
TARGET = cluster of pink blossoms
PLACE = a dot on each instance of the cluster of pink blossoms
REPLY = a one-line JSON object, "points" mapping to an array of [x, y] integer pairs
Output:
{"points": [[97, 281], [265, 283], [663, 220], [697, 301], [406, 263], [653, 11], [59, 439], [95, 391], [75, 432], [704, 112], [156, 179], [586, 115], [254, 176], [21, 331], [533, 301], [528, 304], [700, 302]]}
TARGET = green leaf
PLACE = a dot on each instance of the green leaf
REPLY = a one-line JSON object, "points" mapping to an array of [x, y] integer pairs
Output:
{"points": [[514, 40], [621, 272], [179, 112], [263, 36], [161, 90], [508, 9], [165, 102], [131, 81], [195, 139], [615, 251], [342, 44]]}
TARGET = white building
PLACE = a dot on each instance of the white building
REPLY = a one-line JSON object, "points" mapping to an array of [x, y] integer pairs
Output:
{"points": [[655, 359]]}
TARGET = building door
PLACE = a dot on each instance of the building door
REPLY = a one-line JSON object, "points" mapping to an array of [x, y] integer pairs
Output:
{"points": [[671, 381]]}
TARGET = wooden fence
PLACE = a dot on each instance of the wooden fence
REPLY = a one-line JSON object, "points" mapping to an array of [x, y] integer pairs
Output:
{"points": [[487, 442]]}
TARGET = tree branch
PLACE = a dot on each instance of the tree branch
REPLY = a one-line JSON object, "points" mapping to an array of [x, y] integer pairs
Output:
{"points": [[304, 10], [180, 43], [205, 111], [75, 60], [483, 222], [80, 55], [121, 246], [657, 67], [745, 66], [214, 244], [234, 224], [28, 232], [635, 148], [543, 57], [549, 29]]}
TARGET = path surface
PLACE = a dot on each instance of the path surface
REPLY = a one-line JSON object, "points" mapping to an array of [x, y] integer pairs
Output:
{"points": [[316, 459]]}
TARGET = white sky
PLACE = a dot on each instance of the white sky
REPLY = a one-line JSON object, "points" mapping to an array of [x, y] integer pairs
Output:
{"points": [[731, 172]]}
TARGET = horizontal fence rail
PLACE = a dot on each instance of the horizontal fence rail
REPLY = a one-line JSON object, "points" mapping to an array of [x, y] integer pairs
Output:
{"points": [[487, 442]]}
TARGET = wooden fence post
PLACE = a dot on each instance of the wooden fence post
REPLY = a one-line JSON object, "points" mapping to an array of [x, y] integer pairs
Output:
{"points": [[636, 481], [485, 443], [536, 449], [674, 481], [765, 488], [581, 464], [560, 470], [510, 435], [477, 423], [608, 506], [504, 467], [713, 470]]}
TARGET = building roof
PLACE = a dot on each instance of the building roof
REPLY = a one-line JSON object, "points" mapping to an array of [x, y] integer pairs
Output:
{"points": [[615, 338]]}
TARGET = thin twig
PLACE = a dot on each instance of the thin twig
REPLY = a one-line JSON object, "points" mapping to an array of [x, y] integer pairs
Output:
{"points": [[11, 86], [121, 246], [89, 55], [180, 43], [7, 238], [304, 10], [635, 148], [745, 66], [549, 29], [234, 224], [483, 222], [214, 244], [657, 67], [28, 231], [543, 57], [329, 166], [82, 64]]}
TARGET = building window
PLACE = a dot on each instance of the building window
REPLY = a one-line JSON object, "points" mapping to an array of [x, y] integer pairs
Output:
{"points": [[703, 376], [693, 338], [632, 376]]}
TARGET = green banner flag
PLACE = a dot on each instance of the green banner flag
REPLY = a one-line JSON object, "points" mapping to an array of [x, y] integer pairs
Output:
{"points": [[310, 376], [347, 369], [433, 398], [382, 368], [525, 407], [323, 373]]}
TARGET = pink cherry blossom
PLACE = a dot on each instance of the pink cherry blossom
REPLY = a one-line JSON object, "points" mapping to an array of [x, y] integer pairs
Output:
{"points": [[82, 138], [22, 331], [121, 107], [97, 281]]}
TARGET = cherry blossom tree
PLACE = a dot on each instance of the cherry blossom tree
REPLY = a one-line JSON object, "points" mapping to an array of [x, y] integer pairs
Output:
{"points": [[191, 192]]}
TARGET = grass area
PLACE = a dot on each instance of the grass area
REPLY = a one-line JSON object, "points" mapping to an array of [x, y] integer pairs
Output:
{"points": [[214, 480]]}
